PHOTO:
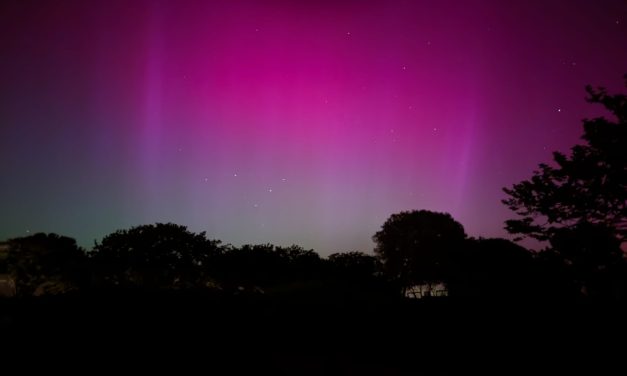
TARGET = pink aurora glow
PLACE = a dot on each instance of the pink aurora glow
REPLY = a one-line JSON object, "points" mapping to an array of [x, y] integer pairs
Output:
{"points": [[293, 122]]}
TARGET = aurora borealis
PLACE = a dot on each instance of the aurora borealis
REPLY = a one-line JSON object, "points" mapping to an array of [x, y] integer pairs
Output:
{"points": [[305, 122]]}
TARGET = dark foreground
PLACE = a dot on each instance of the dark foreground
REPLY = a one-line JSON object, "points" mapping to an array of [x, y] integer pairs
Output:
{"points": [[197, 333]]}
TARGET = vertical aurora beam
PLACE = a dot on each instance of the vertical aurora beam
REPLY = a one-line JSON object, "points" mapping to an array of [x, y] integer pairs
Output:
{"points": [[151, 127], [461, 151], [364, 108]]}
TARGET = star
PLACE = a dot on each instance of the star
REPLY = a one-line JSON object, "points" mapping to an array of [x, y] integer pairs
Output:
{"points": [[559, 110], [234, 175], [269, 190], [404, 67]]}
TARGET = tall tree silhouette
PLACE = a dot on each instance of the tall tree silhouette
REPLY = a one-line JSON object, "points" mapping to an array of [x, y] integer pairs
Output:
{"points": [[588, 186], [419, 246]]}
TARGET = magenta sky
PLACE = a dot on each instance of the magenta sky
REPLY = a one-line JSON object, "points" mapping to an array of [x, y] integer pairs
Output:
{"points": [[306, 122]]}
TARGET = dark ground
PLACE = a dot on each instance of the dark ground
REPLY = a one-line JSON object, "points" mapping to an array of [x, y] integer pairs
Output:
{"points": [[141, 333]]}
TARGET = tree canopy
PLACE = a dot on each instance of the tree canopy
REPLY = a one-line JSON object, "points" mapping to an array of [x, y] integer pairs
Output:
{"points": [[592, 258], [579, 204], [356, 265], [265, 265], [494, 268], [587, 186], [45, 263], [154, 256], [418, 246]]}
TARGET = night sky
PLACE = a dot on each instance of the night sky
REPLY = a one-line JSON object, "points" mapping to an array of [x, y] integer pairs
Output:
{"points": [[305, 122]]}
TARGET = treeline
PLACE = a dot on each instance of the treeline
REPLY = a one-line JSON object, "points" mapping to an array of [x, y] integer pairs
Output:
{"points": [[421, 247], [168, 257], [415, 250], [183, 298]]}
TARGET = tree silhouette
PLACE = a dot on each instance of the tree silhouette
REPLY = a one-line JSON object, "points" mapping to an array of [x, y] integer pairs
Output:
{"points": [[419, 246], [304, 263], [356, 266], [589, 186], [250, 266], [591, 257], [494, 269], [155, 256], [45, 264], [265, 265]]}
